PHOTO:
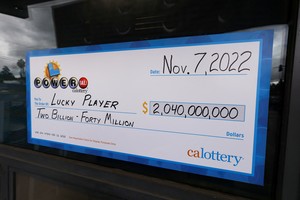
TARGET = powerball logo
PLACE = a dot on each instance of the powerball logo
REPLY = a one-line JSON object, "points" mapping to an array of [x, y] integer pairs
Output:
{"points": [[53, 78]]}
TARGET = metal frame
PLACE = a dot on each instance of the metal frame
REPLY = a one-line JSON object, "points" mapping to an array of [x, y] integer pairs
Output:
{"points": [[289, 185]]}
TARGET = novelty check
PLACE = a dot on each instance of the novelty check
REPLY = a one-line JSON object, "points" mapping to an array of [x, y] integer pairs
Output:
{"points": [[190, 106]]}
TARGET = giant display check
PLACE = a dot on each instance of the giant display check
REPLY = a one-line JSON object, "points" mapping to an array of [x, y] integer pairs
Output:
{"points": [[193, 104]]}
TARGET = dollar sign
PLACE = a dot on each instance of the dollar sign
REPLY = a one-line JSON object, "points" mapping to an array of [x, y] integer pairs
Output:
{"points": [[145, 107]]}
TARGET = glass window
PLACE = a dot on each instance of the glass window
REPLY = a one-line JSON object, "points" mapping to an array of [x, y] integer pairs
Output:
{"points": [[75, 23]]}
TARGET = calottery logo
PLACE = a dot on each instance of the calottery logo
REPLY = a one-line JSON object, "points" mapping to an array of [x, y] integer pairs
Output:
{"points": [[52, 77], [215, 155]]}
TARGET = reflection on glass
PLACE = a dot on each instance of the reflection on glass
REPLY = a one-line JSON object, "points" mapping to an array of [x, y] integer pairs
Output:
{"points": [[278, 67], [16, 38]]}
